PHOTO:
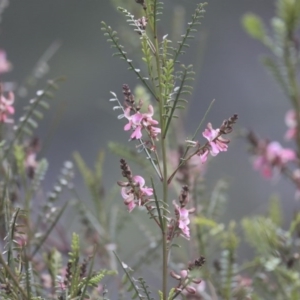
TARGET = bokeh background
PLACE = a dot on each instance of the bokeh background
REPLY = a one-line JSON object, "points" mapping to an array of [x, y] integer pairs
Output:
{"points": [[226, 59]]}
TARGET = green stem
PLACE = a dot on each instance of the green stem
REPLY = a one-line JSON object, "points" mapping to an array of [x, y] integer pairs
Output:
{"points": [[165, 200], [164, 156]]}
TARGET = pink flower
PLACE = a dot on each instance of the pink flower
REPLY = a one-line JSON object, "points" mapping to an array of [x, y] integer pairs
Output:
{"points": [[5, 65], [141, 183], [204, 155], [140, 121], [6, 107], [196, 289], [291, 123], [182, 216], [273, 155], [195, 286], [135, 194], [128, 197], [216, 142]]}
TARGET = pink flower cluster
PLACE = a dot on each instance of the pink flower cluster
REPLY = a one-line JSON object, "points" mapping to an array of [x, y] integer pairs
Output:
{"points": [[183, 220], [272, 157], [135, 193], [192, 288], [188, 285], [139, 121], [216, 143], [180, 225], [6, 107]]}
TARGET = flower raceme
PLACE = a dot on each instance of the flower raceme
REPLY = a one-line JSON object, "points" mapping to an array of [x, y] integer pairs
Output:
{"points": [[140, 121], [183, 220], [180, 224], [215, 142], [134, 192], [187, 284]]}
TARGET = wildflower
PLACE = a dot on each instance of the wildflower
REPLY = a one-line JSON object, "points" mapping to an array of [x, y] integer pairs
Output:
{"points": [[134, 195], [5, 65], [182, 215], [203, 155], [6, 107], [140, 121], [134, 192], [216, 142], [291, 123], [128, 197], [272, 156], [187, 284]]}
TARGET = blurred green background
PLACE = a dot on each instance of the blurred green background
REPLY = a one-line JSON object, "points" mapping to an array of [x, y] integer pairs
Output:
{"points": [[225, 57]]}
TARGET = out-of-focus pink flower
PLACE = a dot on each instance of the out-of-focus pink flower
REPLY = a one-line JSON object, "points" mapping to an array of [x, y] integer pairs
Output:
{"points": [[140, 121], [244, 281], [31, 164], [5, 65], [291, 123], [272, 156], [21, 240], [135, 194], [6, 107]]}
